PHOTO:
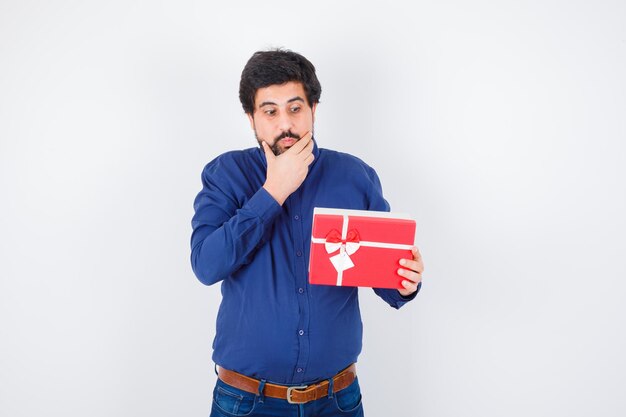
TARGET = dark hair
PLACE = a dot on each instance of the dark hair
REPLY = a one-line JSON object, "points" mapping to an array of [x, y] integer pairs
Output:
{"points": [[277, 66]]}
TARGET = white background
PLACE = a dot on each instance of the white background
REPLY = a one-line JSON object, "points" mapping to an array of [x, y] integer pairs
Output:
{"points": [[499, 126]]}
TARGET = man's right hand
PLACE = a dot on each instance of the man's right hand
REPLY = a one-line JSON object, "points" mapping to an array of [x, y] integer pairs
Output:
{"points": [[288, 170]]}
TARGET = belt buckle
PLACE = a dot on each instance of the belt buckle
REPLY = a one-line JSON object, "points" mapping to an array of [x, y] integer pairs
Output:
{"points": [[290, 390]]}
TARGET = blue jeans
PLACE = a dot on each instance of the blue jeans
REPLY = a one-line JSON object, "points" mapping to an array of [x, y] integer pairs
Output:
{"points": [[229, 401]]}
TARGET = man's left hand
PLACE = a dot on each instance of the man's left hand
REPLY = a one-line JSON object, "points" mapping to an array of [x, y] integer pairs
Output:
{"points": [[411, 270]]}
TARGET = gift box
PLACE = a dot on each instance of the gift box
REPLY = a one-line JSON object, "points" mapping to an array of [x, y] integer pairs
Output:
{"points": [[359, 248]]}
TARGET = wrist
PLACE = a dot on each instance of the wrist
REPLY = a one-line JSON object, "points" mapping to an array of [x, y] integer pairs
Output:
{"points": [[276, 195]]}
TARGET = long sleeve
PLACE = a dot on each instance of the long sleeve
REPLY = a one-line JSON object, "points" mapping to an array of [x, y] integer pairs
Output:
{"points": [[227, 228]]}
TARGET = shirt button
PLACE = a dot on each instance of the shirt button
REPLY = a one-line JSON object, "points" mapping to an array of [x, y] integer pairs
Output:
{"points": [[296, 217], [301, 290], [301, 332], [299, 253], [299, 370]]}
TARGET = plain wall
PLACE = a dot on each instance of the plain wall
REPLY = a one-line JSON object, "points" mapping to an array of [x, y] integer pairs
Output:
{"points": [[500, 126]]}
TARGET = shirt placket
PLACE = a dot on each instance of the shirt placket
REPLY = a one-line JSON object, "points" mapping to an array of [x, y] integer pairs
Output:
{"points": [[294, 205]]}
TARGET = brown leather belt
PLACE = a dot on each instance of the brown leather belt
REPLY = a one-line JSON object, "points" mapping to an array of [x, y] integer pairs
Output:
{"points": [[294, 395]]}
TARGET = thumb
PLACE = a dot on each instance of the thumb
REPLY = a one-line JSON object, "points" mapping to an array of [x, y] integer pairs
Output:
{"points": [[269, 155]]}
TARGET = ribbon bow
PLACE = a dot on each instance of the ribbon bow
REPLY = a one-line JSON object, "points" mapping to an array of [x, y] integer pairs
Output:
{"points": [[334, 241], [346, 247]]}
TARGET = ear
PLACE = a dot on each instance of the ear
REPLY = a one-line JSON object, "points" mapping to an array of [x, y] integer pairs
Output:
{"points": [[313, 111], [251, 118]]}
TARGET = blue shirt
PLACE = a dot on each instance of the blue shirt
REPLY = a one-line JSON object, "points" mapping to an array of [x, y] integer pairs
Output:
{"points": [[271, 323]]}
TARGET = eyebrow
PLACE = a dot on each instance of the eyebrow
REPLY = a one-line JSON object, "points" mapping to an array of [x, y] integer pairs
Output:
{"points": [[291, 100]]}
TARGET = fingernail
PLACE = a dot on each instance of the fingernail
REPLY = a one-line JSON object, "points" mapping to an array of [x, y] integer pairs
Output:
{"points": [[402, 261]]}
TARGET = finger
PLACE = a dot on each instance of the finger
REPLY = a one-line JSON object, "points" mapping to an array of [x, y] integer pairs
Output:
{"points": [[309, 159], [410, 275], [305, 141], [269, 155], [308, 150], [416, 266], [308, 135], [301, 144], [409, 286], [416, 253]]}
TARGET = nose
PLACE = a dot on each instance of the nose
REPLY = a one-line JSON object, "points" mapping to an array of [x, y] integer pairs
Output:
{"points": [[285, 123]]}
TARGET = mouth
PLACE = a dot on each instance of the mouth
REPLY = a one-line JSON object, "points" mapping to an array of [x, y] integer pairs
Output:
{"points": [[288, 141]]}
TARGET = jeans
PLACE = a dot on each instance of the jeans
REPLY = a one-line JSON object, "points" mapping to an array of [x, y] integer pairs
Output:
{"points": [[229, 401]]}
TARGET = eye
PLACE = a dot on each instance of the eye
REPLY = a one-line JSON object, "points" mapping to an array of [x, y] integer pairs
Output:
{"points": [[295, 109], [270, 112]]}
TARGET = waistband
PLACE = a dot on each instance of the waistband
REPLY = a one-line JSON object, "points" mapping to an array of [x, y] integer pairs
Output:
{"points": [[293, 394]]}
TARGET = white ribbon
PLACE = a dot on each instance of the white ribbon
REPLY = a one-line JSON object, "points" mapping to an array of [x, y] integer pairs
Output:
{"points": [[342, 261]]}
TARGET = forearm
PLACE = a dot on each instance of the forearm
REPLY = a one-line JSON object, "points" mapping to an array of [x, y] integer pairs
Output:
{"points": [[219, 250]]}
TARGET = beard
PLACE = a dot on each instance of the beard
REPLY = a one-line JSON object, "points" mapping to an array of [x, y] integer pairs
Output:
{"points": [[276, 149]]}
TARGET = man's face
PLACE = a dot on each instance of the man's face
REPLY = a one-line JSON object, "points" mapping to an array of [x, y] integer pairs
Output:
{"points": [[281, 115]]}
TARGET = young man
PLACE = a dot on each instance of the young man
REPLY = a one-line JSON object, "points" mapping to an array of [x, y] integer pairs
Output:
{"points": [[283, 347]]}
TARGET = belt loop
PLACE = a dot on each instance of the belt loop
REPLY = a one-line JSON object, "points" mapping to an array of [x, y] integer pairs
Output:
{"points": [[261, 388], [331, 384], [215, 369]]}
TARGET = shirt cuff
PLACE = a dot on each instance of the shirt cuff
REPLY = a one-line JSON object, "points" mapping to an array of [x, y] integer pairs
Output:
{"points": [[264, 205], [401, 300]]}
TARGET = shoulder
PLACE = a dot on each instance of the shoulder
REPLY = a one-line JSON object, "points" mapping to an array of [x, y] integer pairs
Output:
{"points": [[231, 161], [230, 158], [234, 171], [345, 162]]}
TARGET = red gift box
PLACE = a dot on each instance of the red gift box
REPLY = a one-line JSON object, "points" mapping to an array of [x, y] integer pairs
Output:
{"points": [[359, 248]]}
